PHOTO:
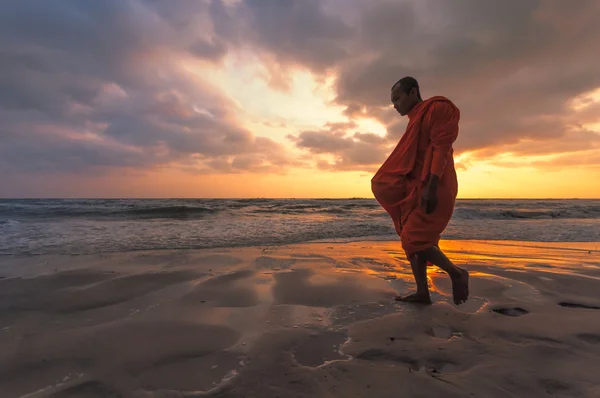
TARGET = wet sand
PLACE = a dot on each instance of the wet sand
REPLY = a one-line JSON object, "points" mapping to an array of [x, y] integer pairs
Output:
{"points": [[311, 320]]}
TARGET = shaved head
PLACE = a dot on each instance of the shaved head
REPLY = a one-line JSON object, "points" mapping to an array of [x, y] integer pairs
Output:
{"points": [[405, 94], [406, 84]]}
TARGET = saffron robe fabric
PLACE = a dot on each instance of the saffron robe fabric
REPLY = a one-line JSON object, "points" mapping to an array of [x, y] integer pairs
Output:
{"points": [[425, 147]]}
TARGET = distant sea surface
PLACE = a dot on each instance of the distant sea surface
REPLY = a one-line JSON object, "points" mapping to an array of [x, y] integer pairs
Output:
{"points": [[69, 226]]}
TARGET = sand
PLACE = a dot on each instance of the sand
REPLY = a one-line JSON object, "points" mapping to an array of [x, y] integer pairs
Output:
{"points": [[310, 320]]}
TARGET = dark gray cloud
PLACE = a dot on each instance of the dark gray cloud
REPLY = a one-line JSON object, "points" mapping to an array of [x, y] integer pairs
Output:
{"points": [[507, 65], [293, 31], [209, 49], [364, 151], [89, 85], [92, 85], [319, 142]]}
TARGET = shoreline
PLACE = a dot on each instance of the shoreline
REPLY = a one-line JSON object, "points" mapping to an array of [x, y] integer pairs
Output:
{"points": [[592, 246], [300, 320]]}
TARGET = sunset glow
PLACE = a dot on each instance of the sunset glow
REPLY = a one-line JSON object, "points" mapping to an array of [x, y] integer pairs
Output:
{"points": [[234, 99]]}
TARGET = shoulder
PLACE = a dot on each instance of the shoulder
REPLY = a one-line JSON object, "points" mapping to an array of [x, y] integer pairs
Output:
{"points": [[439, 106]]}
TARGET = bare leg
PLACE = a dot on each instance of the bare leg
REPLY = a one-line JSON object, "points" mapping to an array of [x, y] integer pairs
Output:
{"points": [[419, 269], [459, 276]]}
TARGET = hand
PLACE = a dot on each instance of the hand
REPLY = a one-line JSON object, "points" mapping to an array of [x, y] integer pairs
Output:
{"points": [[429, 199]]}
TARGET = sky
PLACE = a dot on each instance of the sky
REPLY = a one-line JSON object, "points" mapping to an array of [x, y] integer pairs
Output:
{"points": [[291, 98]]}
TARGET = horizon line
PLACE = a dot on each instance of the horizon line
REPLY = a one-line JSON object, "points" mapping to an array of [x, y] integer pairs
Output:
{"points": [[267, 198]]}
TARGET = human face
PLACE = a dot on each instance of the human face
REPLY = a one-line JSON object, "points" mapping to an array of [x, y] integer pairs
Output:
{"points": [[403, 102]]}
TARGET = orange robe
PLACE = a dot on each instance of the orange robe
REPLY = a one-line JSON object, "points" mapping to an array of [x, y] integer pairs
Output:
{"points": [[425, 147]]}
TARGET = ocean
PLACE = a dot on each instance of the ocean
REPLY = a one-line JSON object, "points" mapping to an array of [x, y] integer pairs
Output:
{"points": [[77, 226]]}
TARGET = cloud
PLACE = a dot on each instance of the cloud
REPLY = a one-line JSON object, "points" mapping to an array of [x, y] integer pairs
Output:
{"points": [[358, 151], [291, 30], [511, 67], [574, 141], [92, 85], [323, 141], [586, 159]]}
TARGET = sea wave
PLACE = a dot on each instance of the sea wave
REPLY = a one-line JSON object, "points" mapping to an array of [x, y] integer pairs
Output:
{"points": [[94, 226], [99, 211], [182, 209], [573, 212], [171, 211], [9, 223]]}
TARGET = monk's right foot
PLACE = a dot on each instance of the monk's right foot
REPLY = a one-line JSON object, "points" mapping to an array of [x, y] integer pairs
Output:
{"points": [[460, 287], [416, 298]]}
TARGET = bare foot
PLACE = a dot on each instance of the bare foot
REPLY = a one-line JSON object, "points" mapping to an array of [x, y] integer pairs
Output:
{"points": [[460, 287], [415, 298]]}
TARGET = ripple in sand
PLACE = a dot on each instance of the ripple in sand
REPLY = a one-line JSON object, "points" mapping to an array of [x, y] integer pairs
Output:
{"points": [[345, 315], [65, 381], [88, 389], [110, 292], [320, 349], [302, 287], [372, 264], [192, 373], [227, 290], [589, 338], [38, 377], [514, 289], [223, 260], [273, 263], [434, 367]]}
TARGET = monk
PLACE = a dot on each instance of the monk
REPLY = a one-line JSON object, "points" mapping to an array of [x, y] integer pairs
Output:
{"points": [[417, 186]]}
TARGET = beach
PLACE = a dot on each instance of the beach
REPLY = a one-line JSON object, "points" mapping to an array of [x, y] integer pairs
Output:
{"points": [[219, 198], [300, 320]]}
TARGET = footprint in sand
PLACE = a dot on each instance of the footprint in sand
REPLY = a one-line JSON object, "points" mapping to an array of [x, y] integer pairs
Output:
{"points": [[576, 305], [513, 312]]}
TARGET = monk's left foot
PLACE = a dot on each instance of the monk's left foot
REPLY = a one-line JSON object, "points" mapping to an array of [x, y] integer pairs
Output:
{"points": [[415, 298], [460, 287]]}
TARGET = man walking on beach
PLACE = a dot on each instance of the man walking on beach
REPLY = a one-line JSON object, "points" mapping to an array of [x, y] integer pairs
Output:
{"points": [[417, 185]]}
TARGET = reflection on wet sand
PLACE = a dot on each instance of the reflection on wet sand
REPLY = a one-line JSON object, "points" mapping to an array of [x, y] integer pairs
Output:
{"points": [[304, 320]]}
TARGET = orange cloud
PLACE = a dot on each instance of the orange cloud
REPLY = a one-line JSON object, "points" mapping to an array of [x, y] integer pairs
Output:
{"points": [[237, 88]]}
